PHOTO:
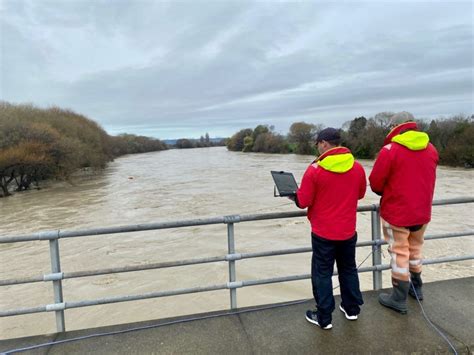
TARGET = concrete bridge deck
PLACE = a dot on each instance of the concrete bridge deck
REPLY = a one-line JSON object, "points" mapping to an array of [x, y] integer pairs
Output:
{"points": [[284, 330]]}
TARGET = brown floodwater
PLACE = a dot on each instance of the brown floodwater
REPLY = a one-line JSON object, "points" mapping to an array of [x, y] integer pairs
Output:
{"points": [[175, 185]]}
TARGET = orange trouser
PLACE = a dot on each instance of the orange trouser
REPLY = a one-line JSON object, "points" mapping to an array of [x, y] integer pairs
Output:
{"points": [[404, 248]]}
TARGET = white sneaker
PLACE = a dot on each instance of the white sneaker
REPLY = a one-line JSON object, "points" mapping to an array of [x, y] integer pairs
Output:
{"points": [[311, 317], [347, 316]]}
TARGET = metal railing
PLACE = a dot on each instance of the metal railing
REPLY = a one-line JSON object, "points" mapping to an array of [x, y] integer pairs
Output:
{"points": [[57, 275]]}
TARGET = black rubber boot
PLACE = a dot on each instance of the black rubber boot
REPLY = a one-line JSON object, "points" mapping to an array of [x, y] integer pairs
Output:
{"points": [[397, 300], [416, 282]]}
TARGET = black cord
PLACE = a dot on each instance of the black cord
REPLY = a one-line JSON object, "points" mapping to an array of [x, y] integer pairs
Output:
{"points": [[152, 326], [431, 323]]}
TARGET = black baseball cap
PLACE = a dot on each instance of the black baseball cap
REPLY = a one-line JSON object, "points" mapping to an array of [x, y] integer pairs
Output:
{"points": [[328, 134]]}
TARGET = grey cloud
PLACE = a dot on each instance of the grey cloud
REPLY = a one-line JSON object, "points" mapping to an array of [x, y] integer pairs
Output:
{"points": [[151, 66]]}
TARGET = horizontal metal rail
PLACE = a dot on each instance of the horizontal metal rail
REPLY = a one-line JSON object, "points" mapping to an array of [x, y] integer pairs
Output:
{"points": [[453, 201], [229, 285], [57, 275], [58, 234], [163, 265]]}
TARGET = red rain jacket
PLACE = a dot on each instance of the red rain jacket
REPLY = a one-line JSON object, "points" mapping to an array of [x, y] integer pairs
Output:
{"points": [[404, 175], [330, 188]]}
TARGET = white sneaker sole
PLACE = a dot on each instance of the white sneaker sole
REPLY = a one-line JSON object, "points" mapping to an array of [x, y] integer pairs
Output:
{"points": [[347, 316], [329, 326]]}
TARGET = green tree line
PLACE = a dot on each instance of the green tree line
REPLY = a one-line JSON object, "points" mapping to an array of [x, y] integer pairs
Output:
{"points": [[203, 142], [453, 137], [38, 144]]}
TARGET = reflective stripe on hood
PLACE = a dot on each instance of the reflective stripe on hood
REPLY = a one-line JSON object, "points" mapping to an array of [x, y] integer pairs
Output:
{"points": [[413, 140]]}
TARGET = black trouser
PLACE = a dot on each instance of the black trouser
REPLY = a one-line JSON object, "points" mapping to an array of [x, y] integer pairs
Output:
{"points": [[325, 252]]}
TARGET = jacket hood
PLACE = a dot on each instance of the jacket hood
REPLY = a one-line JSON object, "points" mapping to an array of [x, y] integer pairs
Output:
{"points": [[413, 140], [407, 134], [336, 160], [407, 126]]}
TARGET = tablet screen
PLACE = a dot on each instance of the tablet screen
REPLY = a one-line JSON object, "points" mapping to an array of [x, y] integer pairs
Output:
{"points": [[285, 183]]}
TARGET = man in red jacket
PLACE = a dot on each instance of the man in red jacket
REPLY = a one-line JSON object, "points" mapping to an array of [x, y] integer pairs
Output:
{"points": [[330, 188], [404, 175]]}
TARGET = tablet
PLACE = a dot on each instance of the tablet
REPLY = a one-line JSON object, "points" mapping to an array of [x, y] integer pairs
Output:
{"points": [[285, 183]]}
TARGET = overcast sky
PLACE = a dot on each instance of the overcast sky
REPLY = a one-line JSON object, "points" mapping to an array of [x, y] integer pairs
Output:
{"points": [[182, 69]]}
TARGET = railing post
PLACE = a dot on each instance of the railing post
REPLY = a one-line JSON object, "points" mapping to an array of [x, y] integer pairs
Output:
{"points": [[231, 250], [376, 249], [57, 285]]}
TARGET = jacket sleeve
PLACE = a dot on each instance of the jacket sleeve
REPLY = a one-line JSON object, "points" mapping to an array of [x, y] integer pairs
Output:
{"points": [[380, 171], [363, 183], [307, 190]]}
